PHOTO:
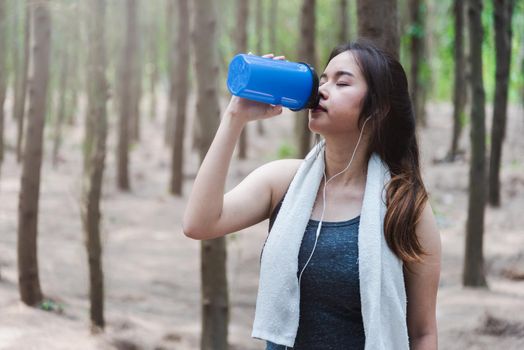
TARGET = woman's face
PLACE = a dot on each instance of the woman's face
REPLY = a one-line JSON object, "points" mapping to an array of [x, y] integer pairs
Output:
{"points": [[342, 90]]}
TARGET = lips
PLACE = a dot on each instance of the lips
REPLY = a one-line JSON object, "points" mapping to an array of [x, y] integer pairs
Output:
{"points": [[320, 108]]}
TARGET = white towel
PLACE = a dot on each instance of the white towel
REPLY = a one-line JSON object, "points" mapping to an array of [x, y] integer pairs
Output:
{"points": [[382, 290]]}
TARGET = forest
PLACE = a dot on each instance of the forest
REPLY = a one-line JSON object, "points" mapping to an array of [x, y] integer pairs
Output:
{"points": [[107, 111]]}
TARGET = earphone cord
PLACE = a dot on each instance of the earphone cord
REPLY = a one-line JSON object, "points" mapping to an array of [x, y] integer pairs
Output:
{"points": [[324, 200]]}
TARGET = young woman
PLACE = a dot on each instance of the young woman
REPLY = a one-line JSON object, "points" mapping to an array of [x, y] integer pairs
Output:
{"points": [[364, 109]]}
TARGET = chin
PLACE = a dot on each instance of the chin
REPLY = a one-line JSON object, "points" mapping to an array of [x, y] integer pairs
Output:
{"points": [[316, 127]]}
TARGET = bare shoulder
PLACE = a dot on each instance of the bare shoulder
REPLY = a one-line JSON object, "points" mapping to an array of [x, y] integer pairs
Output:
{"points": [[279, 174]]}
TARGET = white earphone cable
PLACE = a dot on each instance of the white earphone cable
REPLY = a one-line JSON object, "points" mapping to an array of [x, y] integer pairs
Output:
{"points": [[324, 200]]}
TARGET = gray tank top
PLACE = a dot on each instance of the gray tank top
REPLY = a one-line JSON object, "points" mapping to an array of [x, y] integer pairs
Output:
{"points": [[330, 315]]}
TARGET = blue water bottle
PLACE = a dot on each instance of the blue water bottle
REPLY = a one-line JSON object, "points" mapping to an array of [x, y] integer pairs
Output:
{"points": [[291, 84]]}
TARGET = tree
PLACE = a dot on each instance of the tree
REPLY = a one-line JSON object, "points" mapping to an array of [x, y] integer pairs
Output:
{"points": [[170, 121], [306, 53], [473, 273], [215, 299], [459, 88], [126, 92], [28, 280], [259, 30], [241, 46], [417, 36], [3, 75], [273, 16], [93, 174], [343, 30], [63, 92], [502, 15], [180, 78], [378, 22], [19, 108], [153, 61]]}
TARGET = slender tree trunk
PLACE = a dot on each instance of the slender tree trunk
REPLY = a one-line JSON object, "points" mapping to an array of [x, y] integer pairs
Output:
{"points": [[63, 92], [3, 75], [343, 29], [170, 121], [503, 13], [417, 35], [459, 89], [378, 22], [28, 280], [16, 48], [259, 30], [153, 63], [215, 299], [93, 173], [136, 78], [241, 46], [180, 78], [20, 108], [306, 53], [273, 16], [74, 80], [473, 273], [126, 92]]}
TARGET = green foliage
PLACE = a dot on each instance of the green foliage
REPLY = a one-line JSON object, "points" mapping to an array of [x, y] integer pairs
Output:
{"points": [[51, 305], [286, 150]]}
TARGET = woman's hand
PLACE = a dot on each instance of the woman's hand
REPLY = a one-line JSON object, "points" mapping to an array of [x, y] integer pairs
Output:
{"points": [[247, 110]]}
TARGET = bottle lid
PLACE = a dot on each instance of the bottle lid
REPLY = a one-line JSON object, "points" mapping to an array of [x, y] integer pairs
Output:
{"points": [[314, 96]]}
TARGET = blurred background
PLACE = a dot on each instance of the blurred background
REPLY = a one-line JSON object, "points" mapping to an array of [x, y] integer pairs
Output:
{"points": [[107, 108]]}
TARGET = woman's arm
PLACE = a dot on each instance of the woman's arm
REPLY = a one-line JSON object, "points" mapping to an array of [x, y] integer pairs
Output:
{"points": [[210, 214], [422, 285]]}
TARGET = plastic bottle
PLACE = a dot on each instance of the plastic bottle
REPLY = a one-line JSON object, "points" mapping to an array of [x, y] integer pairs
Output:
{"points": [[291, 84]]}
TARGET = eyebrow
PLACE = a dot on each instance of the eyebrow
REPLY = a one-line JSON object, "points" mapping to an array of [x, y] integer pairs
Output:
{"points": [[339, 73]]}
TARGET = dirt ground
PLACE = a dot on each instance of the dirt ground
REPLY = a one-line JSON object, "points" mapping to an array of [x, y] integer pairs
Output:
{"points": [[151, 269]]}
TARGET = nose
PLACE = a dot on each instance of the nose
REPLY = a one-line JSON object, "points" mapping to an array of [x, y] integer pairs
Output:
{"points": [[322, 92]]}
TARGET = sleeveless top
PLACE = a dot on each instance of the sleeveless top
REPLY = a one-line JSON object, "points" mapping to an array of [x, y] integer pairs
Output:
{"points": [[330, 314]]}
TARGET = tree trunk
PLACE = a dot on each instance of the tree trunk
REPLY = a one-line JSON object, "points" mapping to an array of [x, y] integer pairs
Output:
{"points": [[63, 92], [503, 13], [19, 109], [417, 36], [180, 78], [3, 75], [259, 30], [241, 46], [378, 22], [215, 299], [74, 82], [16, 57], [136, 78], [343, 29], [306, 53], [473, 274], [459, 89], [273, 16], [170, 114], [153, 63], [28, 280], [126, 92], [92, 186]]}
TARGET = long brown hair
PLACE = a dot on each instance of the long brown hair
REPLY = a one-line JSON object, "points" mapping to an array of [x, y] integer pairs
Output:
{"points": [[393, 138]]}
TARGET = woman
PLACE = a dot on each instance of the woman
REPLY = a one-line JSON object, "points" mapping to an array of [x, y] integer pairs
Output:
{"points": [[364, 110]]}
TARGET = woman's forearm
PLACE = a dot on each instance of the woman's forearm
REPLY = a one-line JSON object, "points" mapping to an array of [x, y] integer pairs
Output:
{"points": [[205, 202]]}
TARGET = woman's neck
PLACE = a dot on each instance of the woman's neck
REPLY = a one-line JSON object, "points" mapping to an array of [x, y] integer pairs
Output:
{"points": [[338, 152]]}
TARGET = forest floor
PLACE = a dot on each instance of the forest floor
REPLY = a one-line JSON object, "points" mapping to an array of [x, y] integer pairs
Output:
{"points": [[152, 283]]}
